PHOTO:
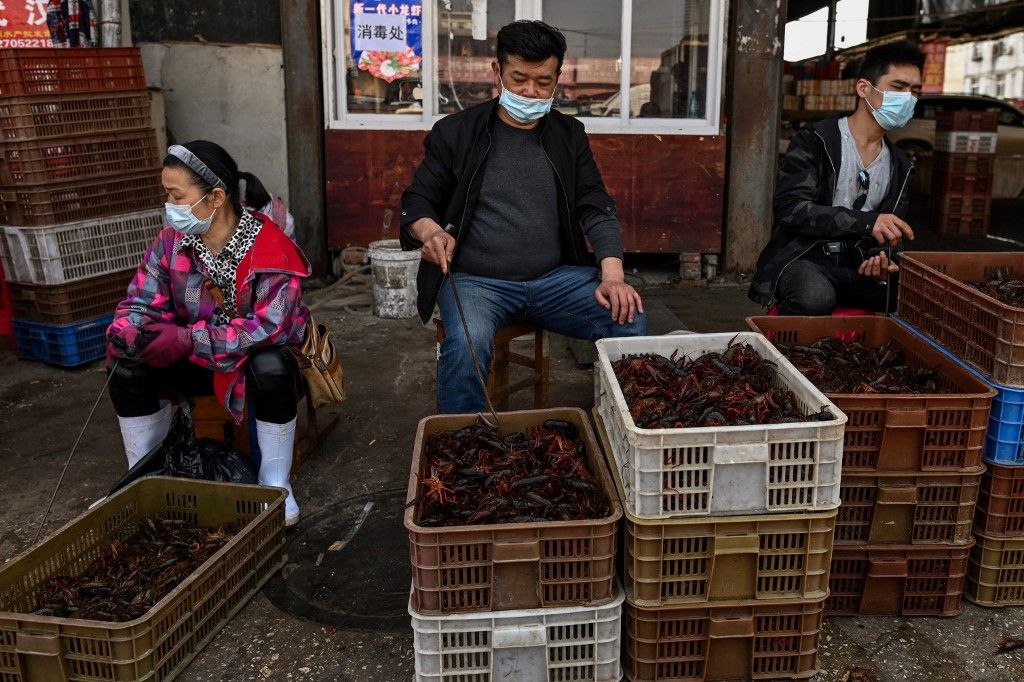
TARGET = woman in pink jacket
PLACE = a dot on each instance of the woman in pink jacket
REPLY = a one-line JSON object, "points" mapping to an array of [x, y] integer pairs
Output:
{"points": [[213, 309]]}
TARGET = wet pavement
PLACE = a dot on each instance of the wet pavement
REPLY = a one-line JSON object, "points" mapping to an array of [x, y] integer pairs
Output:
{"points": [[345, 619]]}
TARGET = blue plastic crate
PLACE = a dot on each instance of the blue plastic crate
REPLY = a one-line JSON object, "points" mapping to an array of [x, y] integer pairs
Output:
{"points": [[67, 345], [1004, 441]]}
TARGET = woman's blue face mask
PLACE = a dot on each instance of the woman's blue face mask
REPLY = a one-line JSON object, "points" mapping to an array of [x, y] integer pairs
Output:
{"points": [[182, 219]]}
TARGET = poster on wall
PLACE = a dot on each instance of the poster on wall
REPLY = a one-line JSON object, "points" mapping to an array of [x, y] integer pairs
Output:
{"points": [[23, 24], [934, 66], [387, 38]]}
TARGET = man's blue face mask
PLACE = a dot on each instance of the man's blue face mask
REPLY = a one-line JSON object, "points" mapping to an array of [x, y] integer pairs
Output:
{"points": [[524, 109], [897, 108]]}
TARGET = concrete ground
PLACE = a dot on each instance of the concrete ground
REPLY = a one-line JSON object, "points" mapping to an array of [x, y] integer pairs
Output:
{"points": [[360, 592]]}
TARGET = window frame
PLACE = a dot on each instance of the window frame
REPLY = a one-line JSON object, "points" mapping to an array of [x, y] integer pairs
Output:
{"points": [[336, 116]]}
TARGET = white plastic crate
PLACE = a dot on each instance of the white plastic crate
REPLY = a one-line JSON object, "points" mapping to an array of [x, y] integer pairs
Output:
{"points": [[58, 254], [966, 142], [722, 470], [552, 644]]}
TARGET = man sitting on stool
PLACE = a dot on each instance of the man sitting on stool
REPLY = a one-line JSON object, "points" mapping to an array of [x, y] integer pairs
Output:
{"points": [[841, 199], [518, 186]]}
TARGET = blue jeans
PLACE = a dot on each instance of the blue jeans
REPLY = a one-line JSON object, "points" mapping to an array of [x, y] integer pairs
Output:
{"points": [[562, 301]]}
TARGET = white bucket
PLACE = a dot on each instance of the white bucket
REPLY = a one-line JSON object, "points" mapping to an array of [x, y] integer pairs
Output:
{"points": [[394, 279]]}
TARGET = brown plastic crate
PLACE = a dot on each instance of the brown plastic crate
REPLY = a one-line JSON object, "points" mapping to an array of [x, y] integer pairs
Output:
{"points": [[1000, 512], [507, 566], [68, 303], [51, 204], [902, 432], [728, 558], [33, 162], [961, 184], [907, 508], [981, 331], [68, 116], [946, 162], [995, 576], [894, 580], [962, 223], [754, 641], [161, 643], [44, 71], [967, 121], [960, 205]]}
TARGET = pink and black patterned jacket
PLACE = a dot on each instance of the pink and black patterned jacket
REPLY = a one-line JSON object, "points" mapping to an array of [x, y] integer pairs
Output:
{"points": [[169, 287]]}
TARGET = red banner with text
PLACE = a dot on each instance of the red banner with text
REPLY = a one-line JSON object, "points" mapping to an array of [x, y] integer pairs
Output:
{"points": [[23, 24]]}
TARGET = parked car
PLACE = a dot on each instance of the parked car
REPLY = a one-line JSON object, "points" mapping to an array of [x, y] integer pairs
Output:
{"points": [[919, 135]]}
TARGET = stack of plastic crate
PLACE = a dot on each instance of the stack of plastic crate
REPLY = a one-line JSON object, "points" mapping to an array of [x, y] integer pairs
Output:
{"points": [[80, 193], [911, 473], [525, 601], [963, 168], [985, 336], [728, 530]]}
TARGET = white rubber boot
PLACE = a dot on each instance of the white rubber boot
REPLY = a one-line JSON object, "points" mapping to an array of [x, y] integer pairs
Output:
{"points": [[277, 442], [142, 434]]}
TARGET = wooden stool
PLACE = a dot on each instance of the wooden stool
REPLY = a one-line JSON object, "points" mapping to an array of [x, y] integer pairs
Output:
{"points": [[213, 421], [499, 387]]}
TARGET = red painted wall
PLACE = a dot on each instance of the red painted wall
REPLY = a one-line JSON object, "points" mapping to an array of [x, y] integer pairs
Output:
{"points": [[668, 188]]}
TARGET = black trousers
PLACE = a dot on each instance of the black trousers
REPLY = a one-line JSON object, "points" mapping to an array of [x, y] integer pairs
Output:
{"points": [[272, 384], [816, 284]]}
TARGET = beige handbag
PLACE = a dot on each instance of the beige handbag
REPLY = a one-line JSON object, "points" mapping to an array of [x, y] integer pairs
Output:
{"points": [[320, 366]]}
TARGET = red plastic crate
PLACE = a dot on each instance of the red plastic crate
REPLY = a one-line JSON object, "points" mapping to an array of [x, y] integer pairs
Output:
{"points": [[33, 162], [979, 330], [967, 122], [949, 183], [41, 71], [65, 202], [894, 580], [900, 432], [946, 162], [961, 223], [1000, 511], [68, 116]]}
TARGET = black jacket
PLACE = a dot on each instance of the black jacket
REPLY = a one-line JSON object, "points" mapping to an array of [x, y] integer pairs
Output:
{"points": [[447, 183], [804, 215]]}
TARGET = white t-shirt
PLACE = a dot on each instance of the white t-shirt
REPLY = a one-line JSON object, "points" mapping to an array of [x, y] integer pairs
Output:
{"points": [[847, 187]]}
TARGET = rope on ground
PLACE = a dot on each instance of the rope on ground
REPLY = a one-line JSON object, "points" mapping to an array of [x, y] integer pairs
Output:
{"points": [[353, 292]]}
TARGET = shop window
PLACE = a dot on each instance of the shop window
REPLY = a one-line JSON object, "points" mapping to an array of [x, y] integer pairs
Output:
{"points": [[647, 66]]}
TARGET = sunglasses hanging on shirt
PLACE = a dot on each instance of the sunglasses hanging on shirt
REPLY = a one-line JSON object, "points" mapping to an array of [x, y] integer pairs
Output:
{"points": [[864, 183]]}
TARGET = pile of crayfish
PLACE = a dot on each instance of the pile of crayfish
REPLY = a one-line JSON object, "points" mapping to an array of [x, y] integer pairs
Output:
{"points": [[1003, 287], [132, 575], [837, 366], [735, 388], [476, 476]]}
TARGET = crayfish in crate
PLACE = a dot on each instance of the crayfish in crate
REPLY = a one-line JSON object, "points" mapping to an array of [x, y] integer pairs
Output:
{"points": [[1003, 287], [737, 387], [850, 367], [132, 574], [477, 476]]}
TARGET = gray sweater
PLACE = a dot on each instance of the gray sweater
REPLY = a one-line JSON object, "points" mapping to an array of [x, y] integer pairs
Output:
{"points": [[513, 233]]}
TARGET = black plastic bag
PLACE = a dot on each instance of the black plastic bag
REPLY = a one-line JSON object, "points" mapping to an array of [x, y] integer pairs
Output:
{"points": [[182, 455]]}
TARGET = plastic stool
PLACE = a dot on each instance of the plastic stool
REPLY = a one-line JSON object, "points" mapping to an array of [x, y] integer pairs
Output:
{"points": [[499, 387]]}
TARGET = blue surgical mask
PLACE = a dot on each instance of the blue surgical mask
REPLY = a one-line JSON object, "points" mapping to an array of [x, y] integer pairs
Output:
{"points": [[182, 219], [896, 111], [524, 109]]}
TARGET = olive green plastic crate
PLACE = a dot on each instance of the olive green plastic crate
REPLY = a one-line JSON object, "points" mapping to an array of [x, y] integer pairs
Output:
{"points": [[159, 645], [995, 574], [724, 559]]}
